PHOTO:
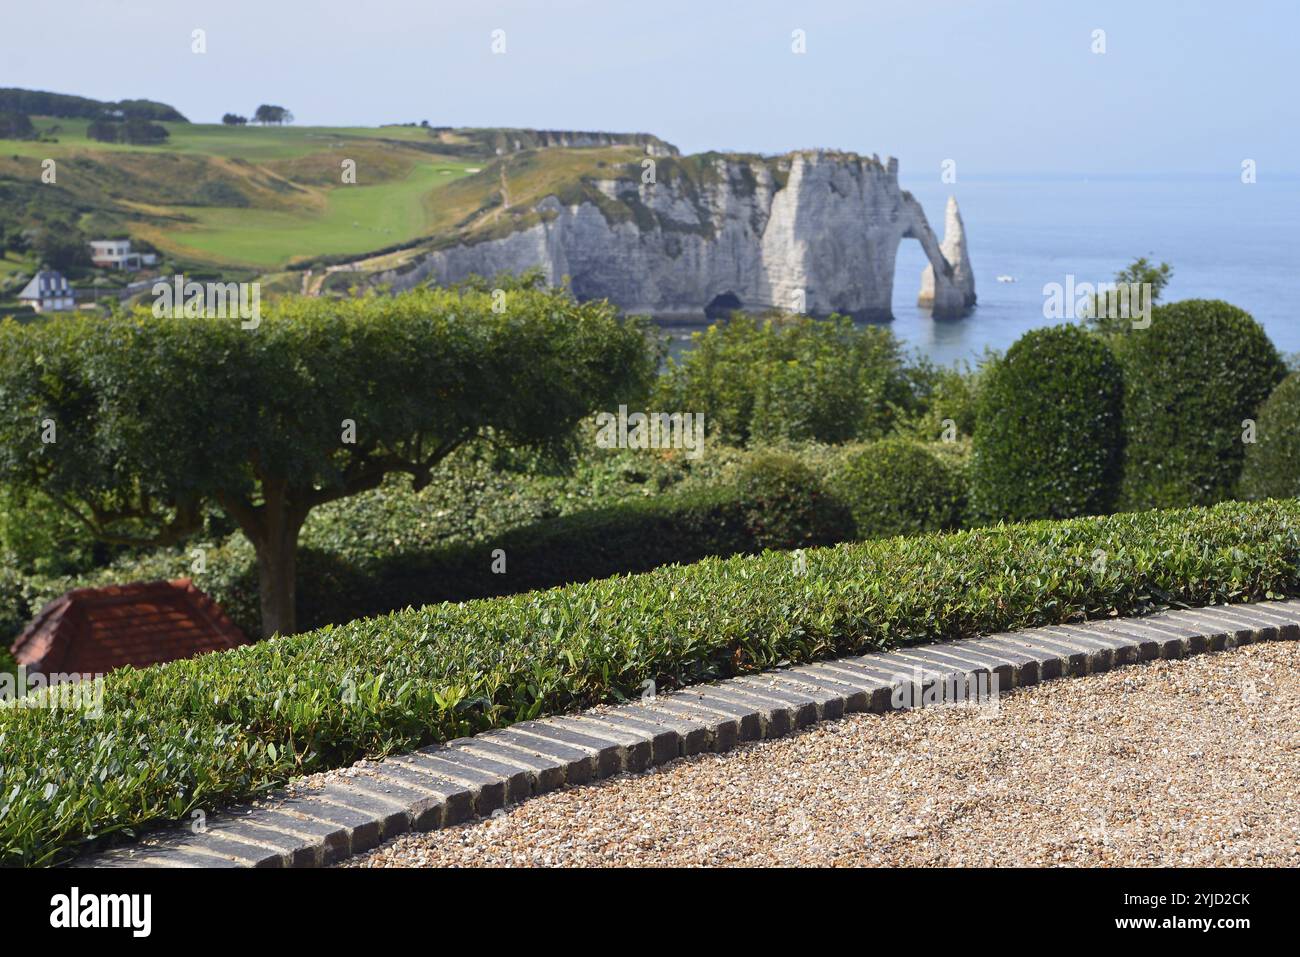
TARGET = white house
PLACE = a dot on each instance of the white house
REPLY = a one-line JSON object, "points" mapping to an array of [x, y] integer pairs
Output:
{"points": [[117, 254], [49, 292]]}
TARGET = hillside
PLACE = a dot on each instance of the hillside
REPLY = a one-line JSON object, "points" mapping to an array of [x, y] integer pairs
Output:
{"points": [[267, 198]]}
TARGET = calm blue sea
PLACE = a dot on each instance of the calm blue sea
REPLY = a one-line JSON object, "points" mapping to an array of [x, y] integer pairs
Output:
{"points": [[1225, 240]]}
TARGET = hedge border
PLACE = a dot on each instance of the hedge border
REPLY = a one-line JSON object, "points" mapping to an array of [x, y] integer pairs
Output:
{"points": [[214, 730], [475, 776]]}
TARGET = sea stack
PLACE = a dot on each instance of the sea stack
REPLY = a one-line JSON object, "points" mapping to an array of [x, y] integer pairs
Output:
{"points": [[961, 279]]}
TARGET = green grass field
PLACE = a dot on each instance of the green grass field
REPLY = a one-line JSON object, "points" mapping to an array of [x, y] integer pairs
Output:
{"points": [[356, 218], [10, 263], [296, 205]]}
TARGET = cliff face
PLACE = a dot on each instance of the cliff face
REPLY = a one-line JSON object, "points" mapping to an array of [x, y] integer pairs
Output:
{"points": [[814, 232]]}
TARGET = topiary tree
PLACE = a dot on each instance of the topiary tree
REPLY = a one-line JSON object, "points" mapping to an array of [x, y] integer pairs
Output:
{"points": [[1049, 433], [1191, 378], [135, 423], [786, 505], [1272, 463], [899, 486]]}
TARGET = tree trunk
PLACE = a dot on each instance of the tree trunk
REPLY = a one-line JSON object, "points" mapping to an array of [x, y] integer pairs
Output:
{"points": [[277, 556]]}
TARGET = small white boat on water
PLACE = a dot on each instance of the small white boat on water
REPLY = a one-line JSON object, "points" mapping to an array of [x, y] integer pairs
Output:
{"points": [[1006, 278]]}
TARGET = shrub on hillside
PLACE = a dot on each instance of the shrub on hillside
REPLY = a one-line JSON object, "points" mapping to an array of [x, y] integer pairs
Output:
{"points": [[1272, 466], [900, 487], [16, 126], [1049, 437], [786, 504], [1191, 379], [790, 378]]}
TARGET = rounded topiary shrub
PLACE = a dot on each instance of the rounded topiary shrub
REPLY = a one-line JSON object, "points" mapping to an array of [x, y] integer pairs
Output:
{"points": [[1049, 434], [899, 487], [1272, 466], [1191, 378], [786, 505]]}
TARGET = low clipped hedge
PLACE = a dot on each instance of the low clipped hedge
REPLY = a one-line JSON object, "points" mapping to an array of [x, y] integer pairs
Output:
{"points": [[1050, 431], [200, 732], [1191, 379], [1272, 467], [900, 487]]}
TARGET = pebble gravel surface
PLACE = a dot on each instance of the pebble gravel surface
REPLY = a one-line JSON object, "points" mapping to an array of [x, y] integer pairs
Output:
{"points": [[1175, 763]]}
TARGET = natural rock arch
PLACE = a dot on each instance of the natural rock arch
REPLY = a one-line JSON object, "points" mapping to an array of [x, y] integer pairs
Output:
{"points": [[723, 305]]}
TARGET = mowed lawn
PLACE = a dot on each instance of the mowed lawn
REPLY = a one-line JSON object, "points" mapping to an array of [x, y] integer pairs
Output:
{"points": [[356, 219]]}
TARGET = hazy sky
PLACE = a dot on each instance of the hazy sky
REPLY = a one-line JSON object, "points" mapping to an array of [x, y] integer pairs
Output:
{"points": [[1000, 86]]}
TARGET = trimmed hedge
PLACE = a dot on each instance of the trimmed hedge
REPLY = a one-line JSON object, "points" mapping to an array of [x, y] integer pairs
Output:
{"points": [[900, 487], [1050, 432], [632, 536], [208, 730], [1272, 467], [1201, 368], [786, 505]]}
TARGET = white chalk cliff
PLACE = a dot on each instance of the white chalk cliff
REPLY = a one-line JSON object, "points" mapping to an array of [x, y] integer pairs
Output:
{"points": [[813, 232]]}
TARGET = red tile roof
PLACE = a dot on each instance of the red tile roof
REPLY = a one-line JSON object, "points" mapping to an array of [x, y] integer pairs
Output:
{"points": [[94, 630]]}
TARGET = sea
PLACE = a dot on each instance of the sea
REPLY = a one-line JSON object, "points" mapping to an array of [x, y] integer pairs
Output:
{"points": [[1224, 238]]}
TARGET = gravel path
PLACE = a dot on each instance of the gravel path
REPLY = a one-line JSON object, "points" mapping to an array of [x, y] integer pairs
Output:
{"points": [[1180, 763]]}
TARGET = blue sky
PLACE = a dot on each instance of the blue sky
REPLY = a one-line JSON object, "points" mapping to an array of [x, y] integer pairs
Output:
{"points": [[1002, 88]]}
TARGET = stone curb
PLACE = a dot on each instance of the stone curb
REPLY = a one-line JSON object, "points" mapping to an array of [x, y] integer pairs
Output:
{"points": [[472, 777]]}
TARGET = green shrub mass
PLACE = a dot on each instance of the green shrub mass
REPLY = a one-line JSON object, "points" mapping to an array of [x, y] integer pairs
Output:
{"points": [[1272, 466], [1192, 377], [1050, 433], [202, 731], [786, 505], [791, 378], [160, 418], [900, 487], [774, 503]]}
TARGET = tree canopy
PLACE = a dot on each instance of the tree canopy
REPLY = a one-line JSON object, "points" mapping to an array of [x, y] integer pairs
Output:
{"points": [[136, 424], [272, 114]]}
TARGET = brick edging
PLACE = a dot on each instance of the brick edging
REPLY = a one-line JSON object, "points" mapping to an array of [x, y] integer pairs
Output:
{"points": [[453, 782]]}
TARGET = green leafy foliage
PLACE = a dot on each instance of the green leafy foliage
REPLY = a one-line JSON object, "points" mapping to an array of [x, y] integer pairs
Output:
{"points": [[946, 401], [212, 729], [339, 584], [786, 505], [1105, 314], [1049, 439], [790, 379], [900, 486], [38, 536], [1272, 466], [160, 418], [1192, 378]]}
